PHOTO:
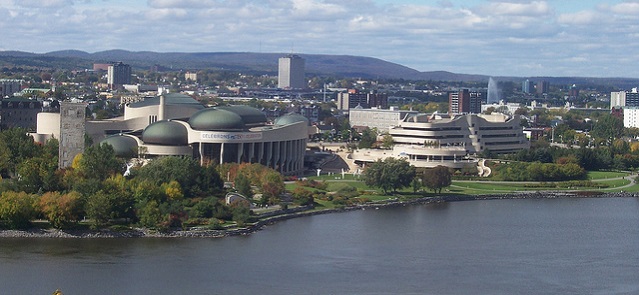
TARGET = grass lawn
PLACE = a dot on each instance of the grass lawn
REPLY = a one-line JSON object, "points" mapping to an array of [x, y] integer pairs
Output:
{"points": [[594, 175]]}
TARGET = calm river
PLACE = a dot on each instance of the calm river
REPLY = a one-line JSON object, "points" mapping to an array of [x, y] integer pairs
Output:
{"points": [[557, 246]]}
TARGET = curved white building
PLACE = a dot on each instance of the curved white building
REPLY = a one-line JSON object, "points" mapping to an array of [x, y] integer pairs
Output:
{"points": [[431, 140], [175, 124]]}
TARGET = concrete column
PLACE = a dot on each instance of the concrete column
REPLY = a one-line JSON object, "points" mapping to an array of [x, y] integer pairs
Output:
{"points": [[269, 155], [240, 152], [252, 152], [201, 150], [276, 153], [221, 153]]}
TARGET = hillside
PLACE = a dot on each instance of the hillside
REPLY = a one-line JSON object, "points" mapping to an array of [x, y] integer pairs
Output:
{"points": [[266, 63]]}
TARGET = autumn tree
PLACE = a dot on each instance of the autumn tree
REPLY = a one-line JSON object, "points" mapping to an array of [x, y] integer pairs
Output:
{"points": [[272, 186], [60, 209]]}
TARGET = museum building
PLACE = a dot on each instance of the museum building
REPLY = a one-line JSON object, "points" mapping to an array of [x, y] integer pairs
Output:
{"points": [[176, 124]]}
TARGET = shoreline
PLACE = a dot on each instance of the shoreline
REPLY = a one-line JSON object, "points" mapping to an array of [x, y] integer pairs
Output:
{"points": [[259, 225]]}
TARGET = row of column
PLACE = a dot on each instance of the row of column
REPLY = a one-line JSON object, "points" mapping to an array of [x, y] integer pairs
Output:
{"points": [[287, 157]]}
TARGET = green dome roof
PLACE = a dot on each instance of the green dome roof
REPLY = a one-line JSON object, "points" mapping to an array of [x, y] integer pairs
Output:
{"points": [[290, 119], [250, 115], [166, 133], [123, 145], [216, 119]]}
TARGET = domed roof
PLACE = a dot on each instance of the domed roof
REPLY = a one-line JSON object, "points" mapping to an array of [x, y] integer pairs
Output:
{"points": [[227, 118], [166, 133], [250, 115], [124, 146], [290, 119], [216, 119]]}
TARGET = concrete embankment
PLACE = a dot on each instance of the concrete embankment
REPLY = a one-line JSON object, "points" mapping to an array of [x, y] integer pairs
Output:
{"points": [[290, 214]]}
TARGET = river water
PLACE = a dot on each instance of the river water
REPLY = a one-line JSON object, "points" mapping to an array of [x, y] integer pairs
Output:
{"points": [[542, 246]]}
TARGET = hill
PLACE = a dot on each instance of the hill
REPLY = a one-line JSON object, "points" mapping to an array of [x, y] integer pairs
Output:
{"points": [[266, 63]]}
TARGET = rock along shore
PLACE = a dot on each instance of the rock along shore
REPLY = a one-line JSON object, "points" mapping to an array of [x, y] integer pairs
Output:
{"points": [[209, 233]]}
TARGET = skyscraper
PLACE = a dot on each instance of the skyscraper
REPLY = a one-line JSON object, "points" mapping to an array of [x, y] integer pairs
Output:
{"points": [[464, 102], [118, 75], [291, 72]]}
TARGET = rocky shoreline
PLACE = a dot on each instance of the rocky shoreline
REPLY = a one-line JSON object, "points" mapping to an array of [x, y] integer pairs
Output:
{"points": [[209, 233]]}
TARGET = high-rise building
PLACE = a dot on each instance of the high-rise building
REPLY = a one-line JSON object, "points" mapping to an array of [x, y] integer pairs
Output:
{"points": [[118, 75], [366, 100], [542, 87], [291, 72], [464, 102], [10, 86], [527, 86], [190, 76], [624, 99]]}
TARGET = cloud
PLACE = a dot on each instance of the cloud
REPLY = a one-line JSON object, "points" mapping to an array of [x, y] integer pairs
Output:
{"points": [[579, 18], [515, 37]]}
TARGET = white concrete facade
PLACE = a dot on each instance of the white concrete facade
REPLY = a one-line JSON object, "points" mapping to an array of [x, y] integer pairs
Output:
{"points": [[631, 117], [427, 141], [381, 119]]}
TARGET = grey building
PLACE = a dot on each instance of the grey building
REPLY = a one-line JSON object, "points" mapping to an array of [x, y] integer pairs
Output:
{"points": [[10, 86], [19, 112], [291, 72], [118, 75], [72, 130]]}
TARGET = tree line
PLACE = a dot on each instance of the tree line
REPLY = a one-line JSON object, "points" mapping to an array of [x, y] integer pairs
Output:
{"points": [[167, 192]]}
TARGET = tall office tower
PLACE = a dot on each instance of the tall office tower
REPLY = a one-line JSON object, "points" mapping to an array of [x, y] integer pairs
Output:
{"points": [[527, 86], [291, 72], [542, 87], [464, 102], [118, 75]]}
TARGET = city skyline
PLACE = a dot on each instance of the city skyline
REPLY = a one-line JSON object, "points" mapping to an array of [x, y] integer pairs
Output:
{"points": [[589, 38]]}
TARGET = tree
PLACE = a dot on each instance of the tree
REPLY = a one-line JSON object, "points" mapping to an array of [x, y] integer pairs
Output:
{"points": [[16, 146], [38, 173], [390, 174], [369, 137], [437, 178], [194, 179], [17, 208], [150, 214], [243, 186], [60, 209], [608, 127], [98, 209], [302, 196], [99, 162], [387, 142], [272, 186]]}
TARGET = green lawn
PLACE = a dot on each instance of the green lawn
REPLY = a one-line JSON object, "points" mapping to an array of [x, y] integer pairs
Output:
{"points": [[594, 175], [473, 187]]}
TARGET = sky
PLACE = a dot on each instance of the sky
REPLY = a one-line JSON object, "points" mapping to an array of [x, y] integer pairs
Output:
{"points": [[586, 38]]}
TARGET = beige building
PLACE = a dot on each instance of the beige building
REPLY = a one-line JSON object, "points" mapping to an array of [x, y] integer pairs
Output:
{"points": [[431, 140], [176, 124], [381, 119]]}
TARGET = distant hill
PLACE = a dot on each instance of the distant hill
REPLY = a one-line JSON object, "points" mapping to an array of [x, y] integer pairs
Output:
{"points": [[266, 63]]}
